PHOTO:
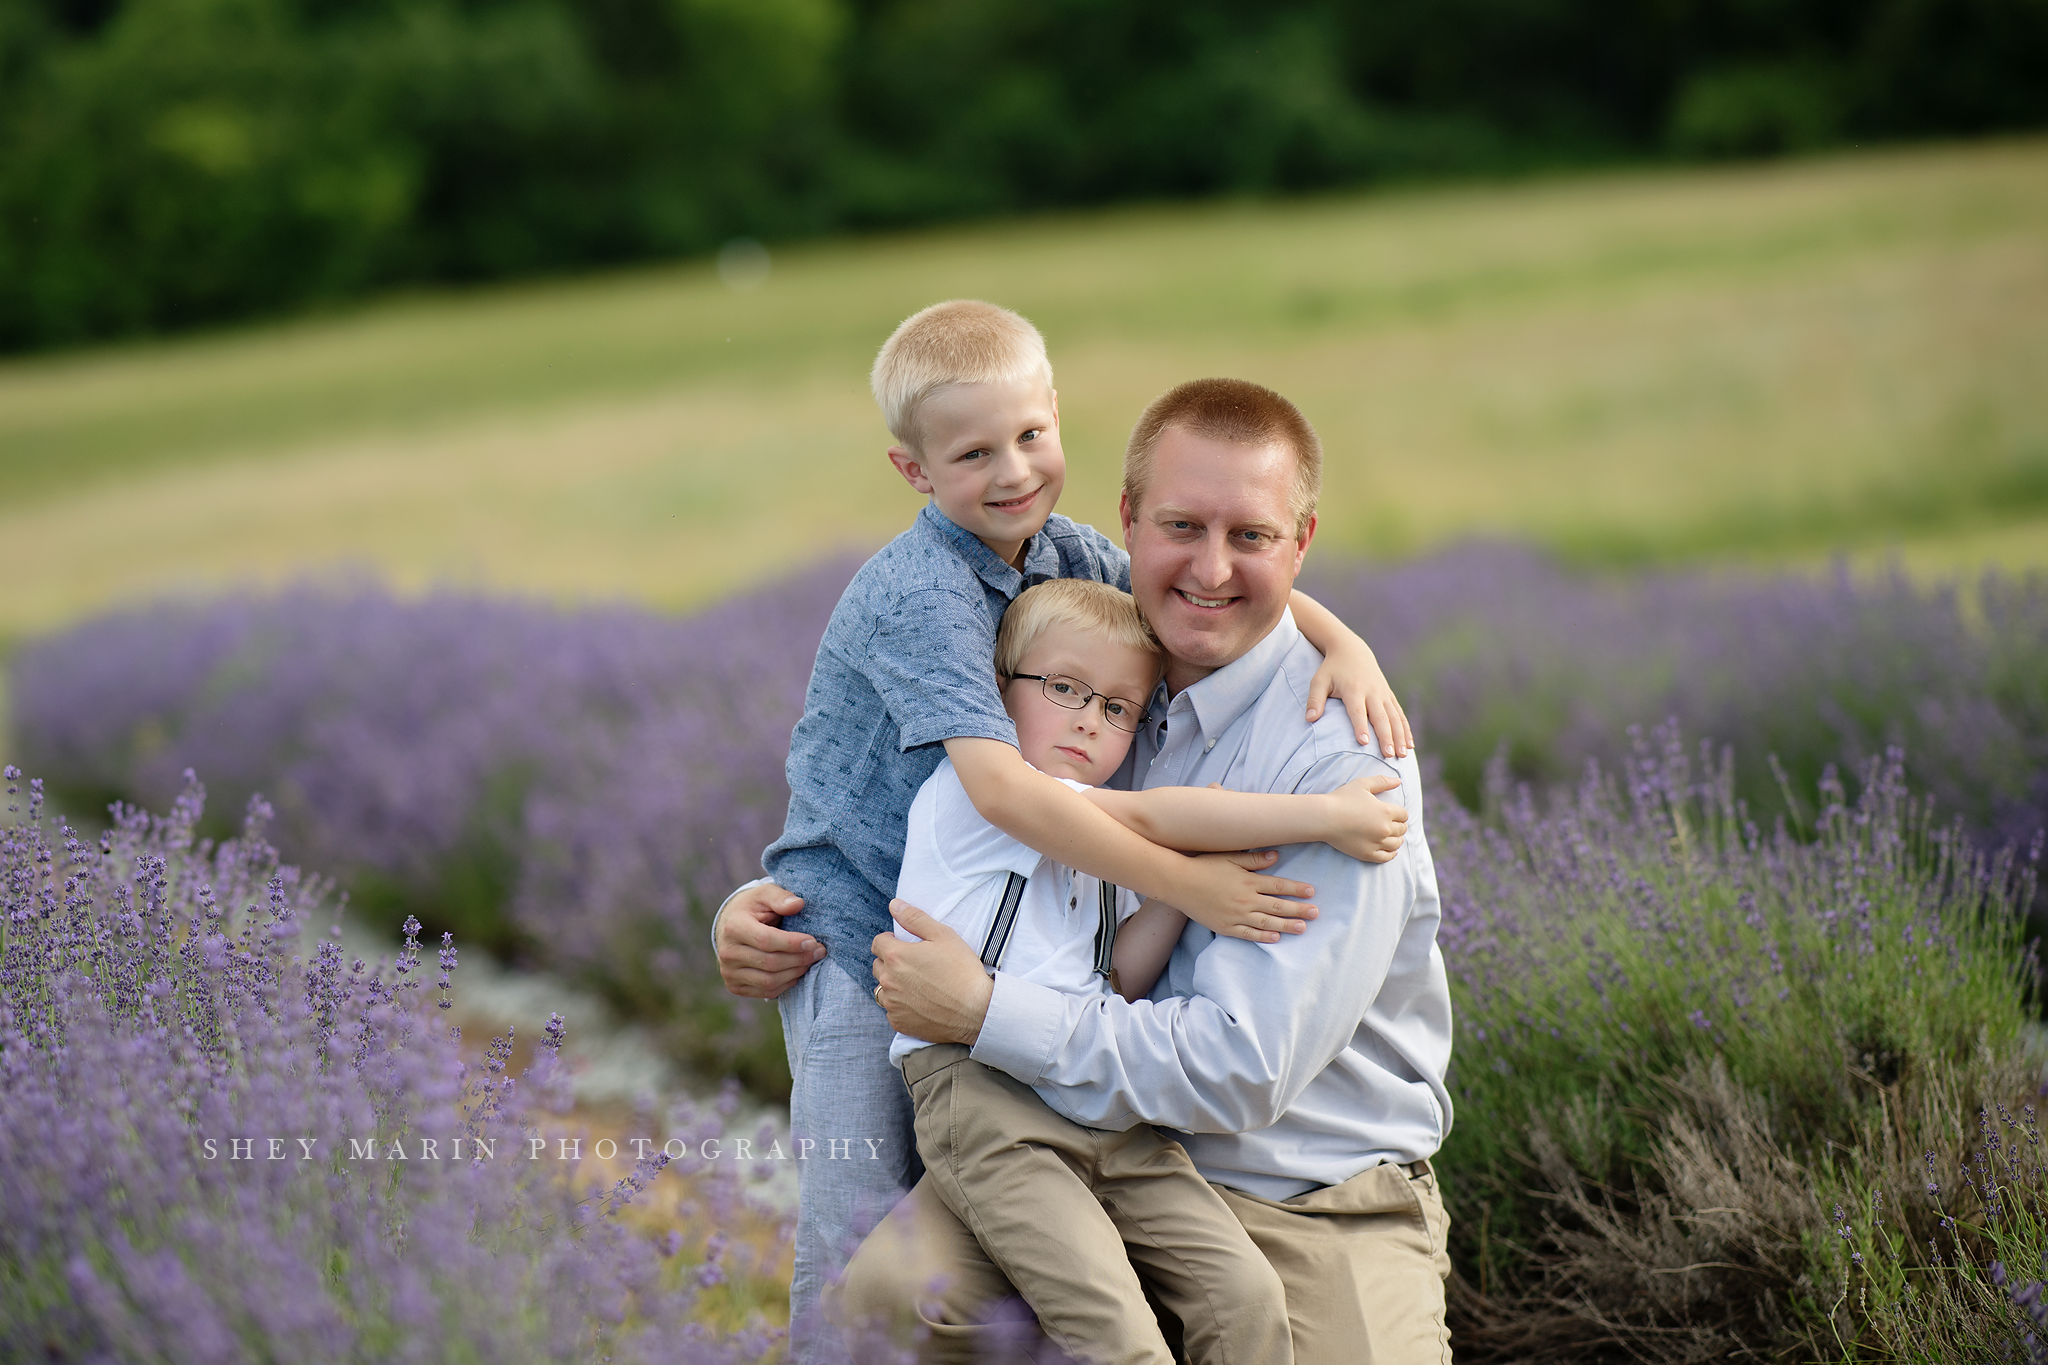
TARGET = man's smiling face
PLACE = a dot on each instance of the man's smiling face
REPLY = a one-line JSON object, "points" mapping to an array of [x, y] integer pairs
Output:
{"points": [[1214, 548]]}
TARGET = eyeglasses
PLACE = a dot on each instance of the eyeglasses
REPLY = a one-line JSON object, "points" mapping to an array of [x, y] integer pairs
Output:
{"points": [[1072, 693]]}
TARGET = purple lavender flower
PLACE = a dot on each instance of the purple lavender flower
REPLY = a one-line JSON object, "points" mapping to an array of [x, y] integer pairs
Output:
{"points": [[163, 1050]]}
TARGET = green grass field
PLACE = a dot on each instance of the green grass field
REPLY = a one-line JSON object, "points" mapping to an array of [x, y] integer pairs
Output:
{"points": [[1773, 363]]}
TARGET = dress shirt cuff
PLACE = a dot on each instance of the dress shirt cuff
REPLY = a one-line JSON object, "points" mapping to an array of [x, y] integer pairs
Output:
{"points": [[758, 881], [1021, 1029]]}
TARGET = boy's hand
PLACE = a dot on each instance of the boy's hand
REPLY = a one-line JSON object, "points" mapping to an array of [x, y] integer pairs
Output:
{"points": [[1227, 894], [1367, 828], [757, 958], [1352, 674]]}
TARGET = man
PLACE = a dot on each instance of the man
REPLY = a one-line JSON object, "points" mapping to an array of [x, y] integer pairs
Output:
{"points": [[1305, 1077]]}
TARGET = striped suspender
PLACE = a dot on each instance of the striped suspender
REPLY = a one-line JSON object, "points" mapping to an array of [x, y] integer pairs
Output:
{"points": [[1005, 920], [1105, 930]]}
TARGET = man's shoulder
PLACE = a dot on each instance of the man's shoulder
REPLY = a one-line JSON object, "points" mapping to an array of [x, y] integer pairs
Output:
{"points": [[1328, 744]]}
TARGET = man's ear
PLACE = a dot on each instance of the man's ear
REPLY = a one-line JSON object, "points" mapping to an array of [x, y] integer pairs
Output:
{"points": [[1126, 514], [911, 468], [1301, 541]]}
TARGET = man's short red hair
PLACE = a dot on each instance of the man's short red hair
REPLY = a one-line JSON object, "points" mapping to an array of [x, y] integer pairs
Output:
{"points": [[1235, 411]]}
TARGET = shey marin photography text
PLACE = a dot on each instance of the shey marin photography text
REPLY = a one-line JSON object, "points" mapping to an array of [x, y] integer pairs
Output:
{"points": [[429, 1149]]}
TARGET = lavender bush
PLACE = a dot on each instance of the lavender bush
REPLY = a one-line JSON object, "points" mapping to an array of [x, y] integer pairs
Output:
{"points": [[1683, 1040], [575, 786], [156, 1005], [1498, 648], [582, 786]]}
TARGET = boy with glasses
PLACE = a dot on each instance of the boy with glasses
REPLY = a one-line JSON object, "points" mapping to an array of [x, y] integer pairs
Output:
{"points": [[1055, 1204]]}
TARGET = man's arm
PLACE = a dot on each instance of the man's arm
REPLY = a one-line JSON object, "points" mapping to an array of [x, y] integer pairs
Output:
{"points": [[1264, 1022], [1046, 814]]}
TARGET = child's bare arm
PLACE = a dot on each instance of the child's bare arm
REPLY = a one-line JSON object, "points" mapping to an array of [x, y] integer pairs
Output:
{"points": [[1143, 944], [1048, 815], [1351, 819], [1351, 673]]}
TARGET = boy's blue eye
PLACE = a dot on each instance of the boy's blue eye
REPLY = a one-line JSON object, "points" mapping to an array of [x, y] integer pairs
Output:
{"points": [[1115, 708], [1065, 689]]}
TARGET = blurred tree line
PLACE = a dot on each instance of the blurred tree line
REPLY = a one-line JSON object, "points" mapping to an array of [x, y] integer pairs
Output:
{"points": [[167, 162]]}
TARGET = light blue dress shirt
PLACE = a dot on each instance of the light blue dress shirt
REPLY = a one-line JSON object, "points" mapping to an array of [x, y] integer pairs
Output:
{"points": [[1283, 1066]]}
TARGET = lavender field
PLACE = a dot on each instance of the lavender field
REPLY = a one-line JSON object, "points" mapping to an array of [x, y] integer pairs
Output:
{"points": [[1736, 873], [171, 1006]]}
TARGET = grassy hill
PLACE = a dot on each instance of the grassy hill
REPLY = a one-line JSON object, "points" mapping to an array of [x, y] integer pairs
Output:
{"points": [[1774, 362]]}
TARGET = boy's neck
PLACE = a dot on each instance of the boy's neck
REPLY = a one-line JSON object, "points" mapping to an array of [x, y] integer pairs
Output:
{"points": [[1011, 552]]}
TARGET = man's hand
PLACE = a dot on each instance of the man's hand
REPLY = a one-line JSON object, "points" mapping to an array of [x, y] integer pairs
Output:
{"points": [[758, 958], [1367, 828], [1228, 895], [934, 989], [1351, 673]]}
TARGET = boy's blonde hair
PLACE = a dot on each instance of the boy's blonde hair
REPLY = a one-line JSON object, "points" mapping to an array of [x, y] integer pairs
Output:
{"points": [[1078, 602], [961, 341]]}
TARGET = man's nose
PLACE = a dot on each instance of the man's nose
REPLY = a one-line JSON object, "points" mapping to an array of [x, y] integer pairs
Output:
{"points": [[1210, 562]]}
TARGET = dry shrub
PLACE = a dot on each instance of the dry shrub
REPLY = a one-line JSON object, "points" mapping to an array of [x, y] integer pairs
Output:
{"points": [[1729, 1246]]}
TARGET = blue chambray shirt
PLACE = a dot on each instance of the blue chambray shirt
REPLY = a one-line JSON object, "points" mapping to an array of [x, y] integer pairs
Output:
{"points": [[907, 662]]}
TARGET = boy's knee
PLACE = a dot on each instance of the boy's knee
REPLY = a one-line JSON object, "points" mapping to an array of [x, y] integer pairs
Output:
{"points": [[879, 1289]]}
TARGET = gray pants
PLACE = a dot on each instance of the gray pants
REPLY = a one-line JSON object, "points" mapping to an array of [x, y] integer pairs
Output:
{"points": [[852, 1106]]}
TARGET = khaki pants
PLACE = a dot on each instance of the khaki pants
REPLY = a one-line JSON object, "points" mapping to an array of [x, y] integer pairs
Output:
{"points": [[1363, 1264], [1073, 1217]]}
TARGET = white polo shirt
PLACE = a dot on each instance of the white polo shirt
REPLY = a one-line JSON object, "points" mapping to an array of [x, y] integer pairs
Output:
{"points": [[956, 867]]}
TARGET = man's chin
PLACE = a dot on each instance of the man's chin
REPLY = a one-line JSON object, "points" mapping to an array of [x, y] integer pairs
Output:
{"points": [[1205, 644]]}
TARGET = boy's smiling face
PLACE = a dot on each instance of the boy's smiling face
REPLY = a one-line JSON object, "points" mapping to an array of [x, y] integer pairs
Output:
{"points": [[1079, 744], [989, 455]]}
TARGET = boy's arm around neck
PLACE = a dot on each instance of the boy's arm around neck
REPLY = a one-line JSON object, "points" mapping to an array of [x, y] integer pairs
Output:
{"points": [[1351, 673], [1046, 814]]}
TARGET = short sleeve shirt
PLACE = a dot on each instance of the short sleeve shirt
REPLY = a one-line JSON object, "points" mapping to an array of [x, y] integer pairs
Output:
{"points": [[956, 867], [907, 662]]}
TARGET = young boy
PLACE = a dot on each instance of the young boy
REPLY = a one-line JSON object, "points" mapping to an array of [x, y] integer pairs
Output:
{"points": [[1054, 1203], [903, 668]]}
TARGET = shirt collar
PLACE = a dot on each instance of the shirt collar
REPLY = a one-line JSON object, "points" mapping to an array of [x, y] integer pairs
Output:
{"points": [[1041, 556], [1219, 699]]}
